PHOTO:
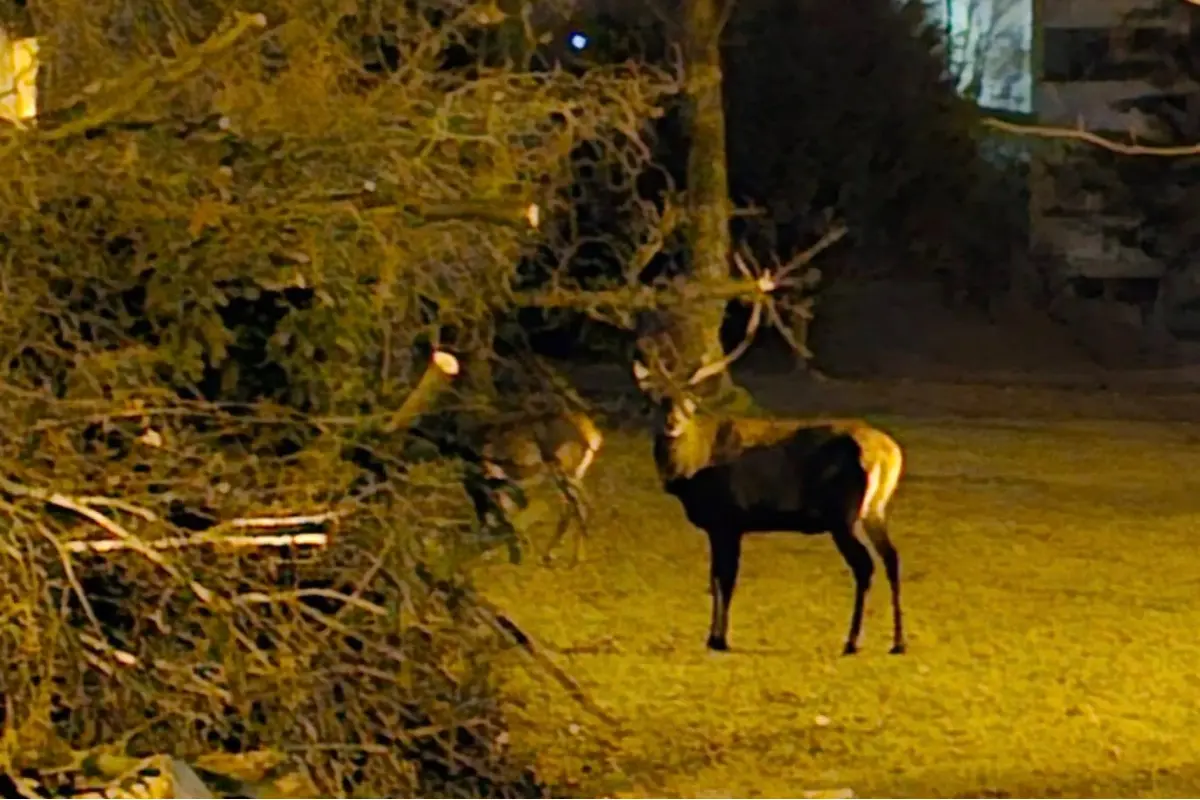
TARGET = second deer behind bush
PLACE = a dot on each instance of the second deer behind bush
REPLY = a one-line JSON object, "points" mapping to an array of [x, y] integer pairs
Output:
{"points": [[557, 447]]}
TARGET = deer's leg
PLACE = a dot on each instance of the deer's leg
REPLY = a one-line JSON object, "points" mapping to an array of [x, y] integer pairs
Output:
{"points": [[576, 510], [579, 512], [859, 560], [876, 530], [564, 522], [726, 554]]}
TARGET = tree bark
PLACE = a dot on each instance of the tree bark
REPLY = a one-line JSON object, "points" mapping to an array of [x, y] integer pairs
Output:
{"points": [[699, 326]]}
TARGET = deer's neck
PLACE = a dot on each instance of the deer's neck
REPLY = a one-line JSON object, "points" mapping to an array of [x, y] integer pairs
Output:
{"points": [[683, 453]]}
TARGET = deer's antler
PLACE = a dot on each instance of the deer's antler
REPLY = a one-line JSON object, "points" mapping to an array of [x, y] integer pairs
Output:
{"points": [[767, 282]]}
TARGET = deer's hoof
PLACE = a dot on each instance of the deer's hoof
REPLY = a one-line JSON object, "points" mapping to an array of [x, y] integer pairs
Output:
{"points": [[850, 649], [718, 644], [899, 649]]}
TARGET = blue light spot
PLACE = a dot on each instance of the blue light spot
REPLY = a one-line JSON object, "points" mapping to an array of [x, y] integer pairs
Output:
{"points": [[578, 41]]}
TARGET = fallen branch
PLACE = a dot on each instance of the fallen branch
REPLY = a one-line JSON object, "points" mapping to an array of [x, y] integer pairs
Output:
{"points": [[442, 368], [285, 522], [182, 542], [509, 629], [129, 540], [124, 540]]}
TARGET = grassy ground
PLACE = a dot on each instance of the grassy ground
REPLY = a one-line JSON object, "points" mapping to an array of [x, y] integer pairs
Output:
{"points": [[1051, 580]]}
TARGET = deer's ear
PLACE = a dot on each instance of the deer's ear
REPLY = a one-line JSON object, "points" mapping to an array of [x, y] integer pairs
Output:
{"points": [[640, 372]]}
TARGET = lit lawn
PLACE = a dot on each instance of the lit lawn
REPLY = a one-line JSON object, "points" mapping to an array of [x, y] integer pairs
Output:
{"points": [[1052, 591]]}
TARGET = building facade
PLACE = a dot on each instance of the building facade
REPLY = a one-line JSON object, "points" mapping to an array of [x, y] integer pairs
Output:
{"points": [[1094, 63]]}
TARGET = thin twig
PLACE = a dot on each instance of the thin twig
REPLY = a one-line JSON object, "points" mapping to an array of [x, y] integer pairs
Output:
{"points": [[122, 657], [97, 501], [91, 501], [830, 238], [328, 594], [72, 579], [781, 328]]}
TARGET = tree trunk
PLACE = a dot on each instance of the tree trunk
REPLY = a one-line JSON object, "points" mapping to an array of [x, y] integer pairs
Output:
{"points": [[707, 186], [1158, 338]]}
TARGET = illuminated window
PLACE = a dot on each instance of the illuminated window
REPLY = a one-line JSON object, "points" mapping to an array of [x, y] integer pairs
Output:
{"points": [[990, 44], [18, 78]]}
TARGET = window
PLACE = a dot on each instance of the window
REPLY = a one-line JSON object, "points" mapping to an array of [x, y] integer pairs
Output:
{"points": [[18, 78], [989, 45]]}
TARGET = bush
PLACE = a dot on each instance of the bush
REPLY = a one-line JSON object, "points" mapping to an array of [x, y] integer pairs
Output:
{"points": [[230, 245]]}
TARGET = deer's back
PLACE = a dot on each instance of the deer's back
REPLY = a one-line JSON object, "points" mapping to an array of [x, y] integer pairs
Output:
{"points": [[559, 440], [806, 481]]}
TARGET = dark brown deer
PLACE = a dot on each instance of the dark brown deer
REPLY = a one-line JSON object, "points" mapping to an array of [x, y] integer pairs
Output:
{"points": [[739, 475]]}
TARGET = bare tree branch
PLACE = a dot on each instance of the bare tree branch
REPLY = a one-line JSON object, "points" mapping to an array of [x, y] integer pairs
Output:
{"points": [[1095, 139]]}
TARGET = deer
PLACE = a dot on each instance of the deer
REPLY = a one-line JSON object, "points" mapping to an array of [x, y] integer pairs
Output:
{"points": [[737, 475], [557, 446], [536, 445]]}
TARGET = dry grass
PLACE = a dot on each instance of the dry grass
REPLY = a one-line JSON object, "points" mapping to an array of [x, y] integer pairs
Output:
{"points": [[1051, 590]]}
